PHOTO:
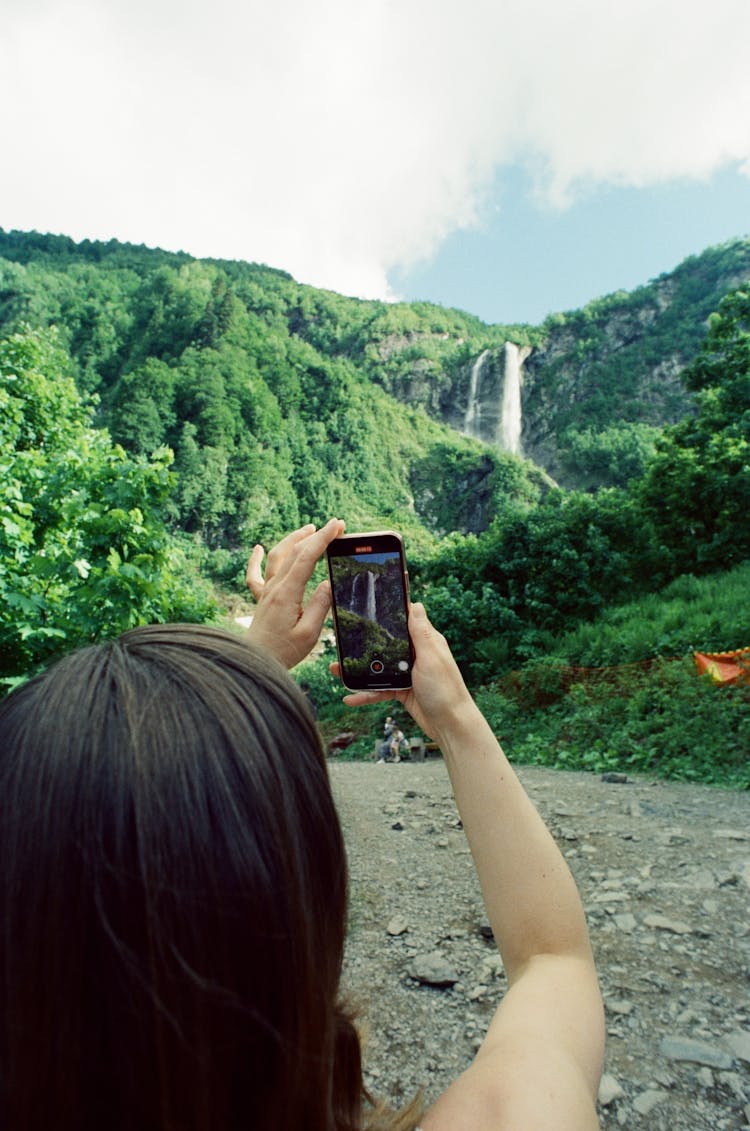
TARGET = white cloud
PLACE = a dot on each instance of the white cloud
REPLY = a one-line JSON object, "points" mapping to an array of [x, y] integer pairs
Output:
{"points": [[339, 140]]}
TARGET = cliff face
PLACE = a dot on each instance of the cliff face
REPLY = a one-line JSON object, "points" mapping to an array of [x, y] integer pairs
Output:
{"points": [[620, 365], [616, 364]]}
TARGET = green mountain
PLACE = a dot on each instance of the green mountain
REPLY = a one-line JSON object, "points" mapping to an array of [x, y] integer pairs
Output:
{"points": [[284, 403]]}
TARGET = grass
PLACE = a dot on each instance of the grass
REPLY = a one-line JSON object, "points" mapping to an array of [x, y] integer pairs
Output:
{"points": [[621, 693]]}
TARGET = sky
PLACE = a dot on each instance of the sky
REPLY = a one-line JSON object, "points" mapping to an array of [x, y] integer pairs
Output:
{"points": [[508, 157]]}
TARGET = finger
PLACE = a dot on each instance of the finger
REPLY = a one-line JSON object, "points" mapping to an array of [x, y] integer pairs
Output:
{"points": [[253, 575], [362, 698], [279, 552], [318, 607], [299, 566], [335, 669]]}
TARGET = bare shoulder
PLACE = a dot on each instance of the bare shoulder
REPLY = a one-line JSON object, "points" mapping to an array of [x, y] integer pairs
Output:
{"points": [[540, 1063], [538, 1089]]}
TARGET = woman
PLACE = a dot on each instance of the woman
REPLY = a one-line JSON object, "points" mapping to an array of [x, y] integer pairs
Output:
{"points": [[173, 892]]}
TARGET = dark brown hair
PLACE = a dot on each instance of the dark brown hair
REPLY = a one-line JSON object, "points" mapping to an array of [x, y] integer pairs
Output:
{"points": [[173, 896]]}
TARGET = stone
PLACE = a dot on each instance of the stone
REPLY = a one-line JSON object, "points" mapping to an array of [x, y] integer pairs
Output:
{"points": [[621, 1008], [739, 1043], [661, 923], [613, 778], [397, 926], [609, 1090], [696, 1052], [625, 921], [492, 967], [434, 970], [485, 929], [645, 1103]]}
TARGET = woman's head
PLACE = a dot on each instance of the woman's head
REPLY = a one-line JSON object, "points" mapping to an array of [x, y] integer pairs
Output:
{"points": [[173, 888]]}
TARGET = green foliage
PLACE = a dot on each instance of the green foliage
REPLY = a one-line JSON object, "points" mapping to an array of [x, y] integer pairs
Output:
{"points": [[592, 703], [607, 457], [697, 488], [537, 571], [269, 394], [665, 720], [704, 614], [84, 553]]}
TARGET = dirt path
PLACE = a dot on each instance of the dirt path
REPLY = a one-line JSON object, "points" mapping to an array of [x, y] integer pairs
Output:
{"points": [[664, 870]]}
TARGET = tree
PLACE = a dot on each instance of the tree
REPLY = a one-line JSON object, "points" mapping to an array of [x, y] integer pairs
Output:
{"points": [[84, 552], [697, 488]]}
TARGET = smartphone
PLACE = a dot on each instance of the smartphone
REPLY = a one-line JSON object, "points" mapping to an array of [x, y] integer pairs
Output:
{"points": [[370, 596]]}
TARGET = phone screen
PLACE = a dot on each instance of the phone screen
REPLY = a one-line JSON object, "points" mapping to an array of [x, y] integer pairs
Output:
{"points": [[370, 599]]}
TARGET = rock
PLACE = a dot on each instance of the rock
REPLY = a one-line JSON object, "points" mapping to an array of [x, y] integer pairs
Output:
{"points": [[625, 921], [661, 923], [697, 1052], [485, 929], [615, 779], [739, 1043], [492, 967], [341, 741], [397, 926], [609, 1090], [398, 826], [621, 1008], [434, 970], [645, 1103]]}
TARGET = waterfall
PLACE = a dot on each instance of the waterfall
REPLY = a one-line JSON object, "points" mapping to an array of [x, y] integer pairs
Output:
{"points": [[363, 595], [370, 610], [473, 407], [510, 420]]}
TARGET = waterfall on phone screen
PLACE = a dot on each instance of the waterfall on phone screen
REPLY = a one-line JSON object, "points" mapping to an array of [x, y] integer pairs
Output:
{"points": [[363, 601], [371, 612]]}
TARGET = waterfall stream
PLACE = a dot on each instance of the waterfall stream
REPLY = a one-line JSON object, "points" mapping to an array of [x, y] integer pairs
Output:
{"points": [[363, 595], [510, 419], [473, 406]]}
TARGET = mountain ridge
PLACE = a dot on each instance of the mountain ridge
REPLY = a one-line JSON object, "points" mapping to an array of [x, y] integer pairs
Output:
{"points": [[236, 366]]}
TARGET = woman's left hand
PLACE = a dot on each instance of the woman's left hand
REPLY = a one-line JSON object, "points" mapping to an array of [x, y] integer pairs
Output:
{"points": [[282, 623]]}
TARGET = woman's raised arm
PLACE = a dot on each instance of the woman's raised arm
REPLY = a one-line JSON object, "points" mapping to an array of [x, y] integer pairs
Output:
{"points": [[540, 1063]]}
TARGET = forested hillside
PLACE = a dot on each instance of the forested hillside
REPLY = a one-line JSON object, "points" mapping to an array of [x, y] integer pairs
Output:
{"points": [[262, 388], [160, 414]]}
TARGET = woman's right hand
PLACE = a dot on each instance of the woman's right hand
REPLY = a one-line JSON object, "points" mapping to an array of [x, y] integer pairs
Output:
{"points": [[438, 699]]}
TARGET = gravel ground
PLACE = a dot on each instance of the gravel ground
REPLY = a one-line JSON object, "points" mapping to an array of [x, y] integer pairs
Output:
{"points": [[664, 871]]}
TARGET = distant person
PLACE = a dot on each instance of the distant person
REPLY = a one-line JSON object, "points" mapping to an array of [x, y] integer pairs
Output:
{"points": [[383, 749], [397, 744], [173, 893]]}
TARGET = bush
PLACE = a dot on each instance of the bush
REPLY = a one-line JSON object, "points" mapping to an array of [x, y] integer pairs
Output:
{"points": [[663, 719]]}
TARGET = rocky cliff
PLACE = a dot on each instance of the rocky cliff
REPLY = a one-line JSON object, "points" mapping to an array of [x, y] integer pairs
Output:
{"points": [[613, 365]]}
